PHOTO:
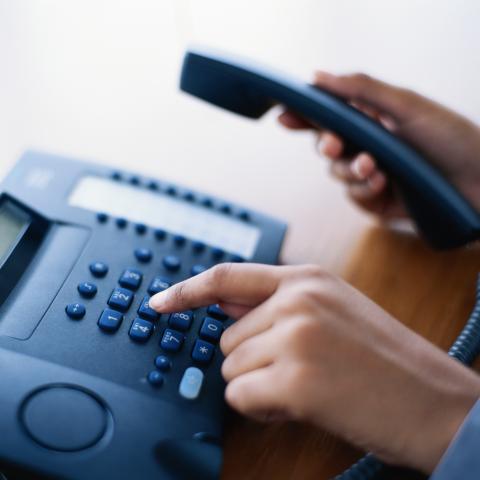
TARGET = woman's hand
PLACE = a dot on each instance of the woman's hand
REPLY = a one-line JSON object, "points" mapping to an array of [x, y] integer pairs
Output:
{"points": [[307, 346], [445, 138]]}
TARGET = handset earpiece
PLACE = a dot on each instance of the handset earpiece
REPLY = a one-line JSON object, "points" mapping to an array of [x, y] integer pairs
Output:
{"points": [[443, 216]]}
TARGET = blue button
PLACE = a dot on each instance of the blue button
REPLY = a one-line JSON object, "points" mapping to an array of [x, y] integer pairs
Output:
{"points": [[207, 202], [217, 312], [172, 340], [102, 217], [217, 252], [116, 175], [171, 263], [98, 269], [121, 299], [110, 320], [134, 180], [197, 269], [191, 383], [198, 246], [87, 289], [155, 378], [143, 255], [140, 228], [171, 191], [225, 208], [163, 363], [160, 234], [121, 222], [141, 330], [131, 278], [179, 240], [189, 196], [181, 320], [153, 185], [159, 284], [203, 351], [145, 311], [211, 329], [237, 259], [75, 310], [244, 215]]}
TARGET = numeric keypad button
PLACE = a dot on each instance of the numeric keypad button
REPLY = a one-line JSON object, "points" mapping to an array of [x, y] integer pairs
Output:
{"points": [[121, 299]]}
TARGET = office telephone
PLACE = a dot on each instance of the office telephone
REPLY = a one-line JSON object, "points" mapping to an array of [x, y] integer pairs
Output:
{"points": [[95, 384]]}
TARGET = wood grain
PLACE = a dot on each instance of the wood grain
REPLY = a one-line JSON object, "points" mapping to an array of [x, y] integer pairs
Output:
{"points": [[431, 292]]}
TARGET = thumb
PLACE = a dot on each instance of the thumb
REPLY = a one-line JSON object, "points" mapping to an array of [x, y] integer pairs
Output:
{"points": [[399, 103]]}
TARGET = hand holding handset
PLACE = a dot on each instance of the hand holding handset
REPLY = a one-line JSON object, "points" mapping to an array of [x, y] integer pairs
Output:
{"points": [[442, 214]]}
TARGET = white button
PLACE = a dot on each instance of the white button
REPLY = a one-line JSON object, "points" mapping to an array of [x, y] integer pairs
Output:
{"points": [[191, 383]]}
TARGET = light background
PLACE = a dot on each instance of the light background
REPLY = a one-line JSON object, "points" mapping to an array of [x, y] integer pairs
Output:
{"points": [[97, 80]]}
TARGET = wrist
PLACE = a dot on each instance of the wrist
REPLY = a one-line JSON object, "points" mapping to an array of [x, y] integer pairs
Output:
{"points": [[443, 416]]}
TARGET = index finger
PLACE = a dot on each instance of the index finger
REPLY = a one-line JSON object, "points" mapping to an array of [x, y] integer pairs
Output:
{"points": [[243, 284]]}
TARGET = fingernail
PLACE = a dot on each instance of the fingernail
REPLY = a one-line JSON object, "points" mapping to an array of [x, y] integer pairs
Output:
{"points": [[356, 169], [157, 302]]}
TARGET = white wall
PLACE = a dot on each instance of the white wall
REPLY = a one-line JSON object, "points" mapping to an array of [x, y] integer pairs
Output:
{"points": [[97, 79]]}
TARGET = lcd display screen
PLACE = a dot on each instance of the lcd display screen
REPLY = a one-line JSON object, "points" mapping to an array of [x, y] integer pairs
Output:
{"points": [[11, 227], [162, 211]]}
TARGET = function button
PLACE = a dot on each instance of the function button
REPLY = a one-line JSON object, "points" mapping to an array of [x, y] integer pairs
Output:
{"points": [[121, 222], [189, 196], [141, 330], [172, 340], [171, 263], [244, 215], [75, 310], [102, 217], [191, 383], [197, 269], [98, 269], [110, 320], [158, 284], [226, 208], [217, 312], [217, 253], [179, 240], [153, 185], [211, 329], [237, 259], [130, 278], [145, 311], [87, 289], [202, 351], [116, 175], [207, 202], [171, 190], [140, 228], [143, 255], [155, 378], [181, 320], [134, 180], [198, 246], [163, 363], [160, 234], [121, 299]]}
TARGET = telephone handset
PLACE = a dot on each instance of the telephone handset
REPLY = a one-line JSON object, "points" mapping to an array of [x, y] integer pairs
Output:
{"points": [[442, 214]]}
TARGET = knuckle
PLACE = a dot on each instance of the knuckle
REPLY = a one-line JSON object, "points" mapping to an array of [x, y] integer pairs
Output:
{"points": [[219, 273], [178, 293]]}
